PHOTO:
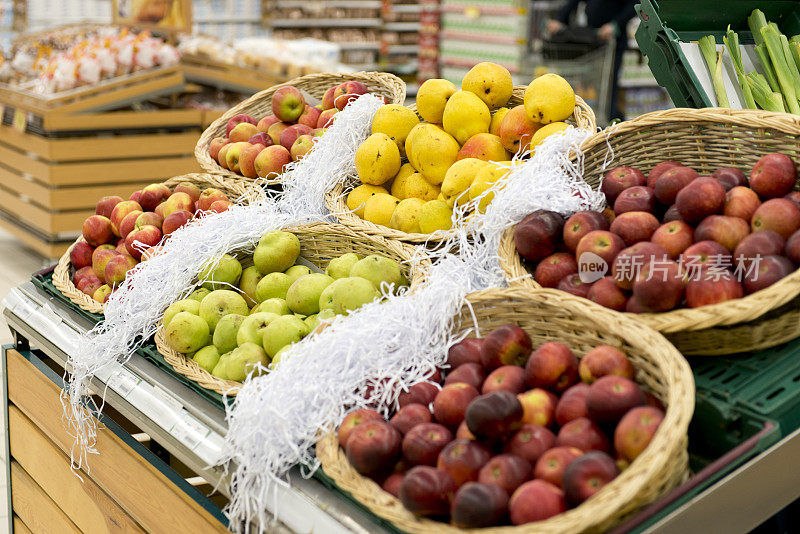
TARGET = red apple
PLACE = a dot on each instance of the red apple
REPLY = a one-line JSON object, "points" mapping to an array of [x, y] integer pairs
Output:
{"points": [[426, 491], [153, 195], [603, 243], [794, 196], [779, 215], [758, 244], [410, 416], [551, 465], [106, 205], [658, 170], [423, 443], [582, 434], [773, 176], [494, 416], [619, 179], [327, 99], [288, 103], [463, 460], [573, 285], [635, 226], [538, 234], [704, 255], [392, 484], [660, 286], [247, 160], [276, 130], [117, 268], [730, 177], [128, 224], [580, 224], [538, 407], [552, 366], [420, 393], [741, 202], [505, 345], [208, 197], [326, 118], [219, 206], [450, 405], [506, 471], [605, 360], [671, 182], [572, 404], [234, 121], [635, 431], [605, 292], [674, 236], [352, 420], [766, 271], [610, 397], [82, 273], [587, 475], [463, 432], [534, 501], [509, 378], [713, 287], [672, 214], [793, 247], [347, 92], [100, 258], [89, 284], [554, 268], [120, 211], [727, 231], [373, 448], [467, 350], [530, 442], [264, 124], [142, 239], [290, 135], [175, 220], [638, 198], [81, 254], [703, 197], [478, 505], [630, 262], [468, 373], [309, 117], [261, 138]]}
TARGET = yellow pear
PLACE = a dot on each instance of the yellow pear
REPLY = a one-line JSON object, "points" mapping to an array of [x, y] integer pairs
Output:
{"points": [[377, 159], [466, 115], [549, 98], [406, 216], [418, 187], [399, 182], [357, 198], [433, 151], [497, 116], [432, 96], [547, 130], [484, 179], [458, 179], [435, 215], [490, 82], [379, 208], [396, 121]]}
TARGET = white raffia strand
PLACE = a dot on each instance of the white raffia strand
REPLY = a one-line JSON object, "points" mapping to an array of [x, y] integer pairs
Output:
{"points": [[133, 311], [368, 357]]}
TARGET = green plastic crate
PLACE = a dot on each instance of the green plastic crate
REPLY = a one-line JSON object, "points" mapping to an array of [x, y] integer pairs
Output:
{"points": [[667, 23]]}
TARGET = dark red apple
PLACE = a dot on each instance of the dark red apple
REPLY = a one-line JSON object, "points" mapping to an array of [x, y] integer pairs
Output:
{"points": [[660, 169], [582, 434], [352, 420], [420, 393], [572, 404], [619, 179], [766, 271], [427, 491], [794, 196], [674, 236], [494, 416], [704, 255], [773, 176], [463, 460], [410, 416], [534, 501], [552, 366], [423, 443], [580, 224], [477, 505], [587, 475], [538, 234], [630, 262], [672, 214], [610, 397], [702, 197], [573, 285], [373, 448], [469, 373], [779, 215], [506, 471], [530, 442], [713, 288], [793, 247], [635, 431], [554, 268], [671, 182], [392, 484], [727, 231], [741, 202], [505, 345], [762, 243], [635, 226], [551, 465], [603, 243], [660, 286], [730, 177], [638, 198], [451, 403], [465, 351], [605, 360], [605, 292], [509, 378]]}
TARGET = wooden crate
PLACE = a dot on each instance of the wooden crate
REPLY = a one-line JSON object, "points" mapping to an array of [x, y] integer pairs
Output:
{"points": [[122, 492]]}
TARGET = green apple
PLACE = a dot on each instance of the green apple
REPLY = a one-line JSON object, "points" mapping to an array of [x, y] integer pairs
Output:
{"points": [[221, 274], [186, 332], [187, 305], [276, 306], [347, 294], [243, 360], [377, 270], [219, 369], [252, 329], [340, 267], [296, 271], [225, 332], [303, 295], [248, 282], [276, 252], [207, 357], [199, 294], [284, 330], [273, 285], [220, 303]]}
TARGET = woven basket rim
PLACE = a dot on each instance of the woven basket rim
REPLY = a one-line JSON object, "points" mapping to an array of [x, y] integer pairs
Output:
{"points": [[62, 278], [336, 204], [394, 86], [187, 367], [611, 503], [748, 308]]}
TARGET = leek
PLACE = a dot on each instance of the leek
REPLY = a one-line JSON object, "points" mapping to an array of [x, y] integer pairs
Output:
{"points": [[772, 41], [763, 57], [756, 21], [708, 47], [791, 65], [762, 93], [731, 40]]}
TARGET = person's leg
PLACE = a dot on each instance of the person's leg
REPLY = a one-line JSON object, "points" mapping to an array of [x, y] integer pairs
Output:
{"points": [[615, 112]]}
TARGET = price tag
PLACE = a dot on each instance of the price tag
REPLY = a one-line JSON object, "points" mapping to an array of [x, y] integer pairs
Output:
{"points": [[20, 121], [189, 431], [123, 382]]}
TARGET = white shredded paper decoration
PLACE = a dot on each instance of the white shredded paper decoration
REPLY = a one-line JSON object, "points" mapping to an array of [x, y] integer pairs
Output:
{"points": [[365, 358]]}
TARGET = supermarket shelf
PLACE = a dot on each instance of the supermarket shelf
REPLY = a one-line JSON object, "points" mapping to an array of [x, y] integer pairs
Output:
{"points": [[325, 23], [189, 426], [372, 45], [402, 26], [403, 49], [632, 83], [365, 4]]}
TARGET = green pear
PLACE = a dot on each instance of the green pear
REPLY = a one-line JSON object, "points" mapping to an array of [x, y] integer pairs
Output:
{"points": [[199, 294], [220, 303], [303, 295], [207, 357], [278, 356], [248, 282], [273, 285], [283, 331], [311, 321], [296, 271], [187, 305], [340, 267], [276, 306], [219, 370], [186, 332], [221, 274], [276, 252], [243, 360], [252, 329], [225, 332], [347, 294], [377, 270]]}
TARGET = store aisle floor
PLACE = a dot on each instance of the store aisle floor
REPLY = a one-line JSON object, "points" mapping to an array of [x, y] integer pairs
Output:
{"points": [[16, 265]]}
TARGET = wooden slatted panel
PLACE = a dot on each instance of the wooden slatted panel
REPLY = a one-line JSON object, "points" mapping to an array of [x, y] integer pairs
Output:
{"points": [[20, 527], [34, 507], [48, 249], [85, 503]]}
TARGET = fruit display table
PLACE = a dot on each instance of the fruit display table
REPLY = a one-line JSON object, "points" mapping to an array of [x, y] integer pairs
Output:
{"points": [[164, 433]]}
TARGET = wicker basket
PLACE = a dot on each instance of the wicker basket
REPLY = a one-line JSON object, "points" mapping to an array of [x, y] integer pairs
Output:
{"points": [[62, 274], [704, 139], [335, 199], [319, 243], [260, 104], [553, 315]]}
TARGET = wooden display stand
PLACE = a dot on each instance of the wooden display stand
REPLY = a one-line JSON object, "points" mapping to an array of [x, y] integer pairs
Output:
{"points": [[59, 155], [206, 71], [127, 488]]}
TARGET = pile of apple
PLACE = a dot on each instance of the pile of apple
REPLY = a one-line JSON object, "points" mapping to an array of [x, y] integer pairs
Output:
{"points": [[693, 240], [513, 436], [262, 148], [115, 238], [241, 318]]}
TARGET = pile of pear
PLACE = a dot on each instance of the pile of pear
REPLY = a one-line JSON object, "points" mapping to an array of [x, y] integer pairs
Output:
{"points": [[240, 318], [462, 147]]}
